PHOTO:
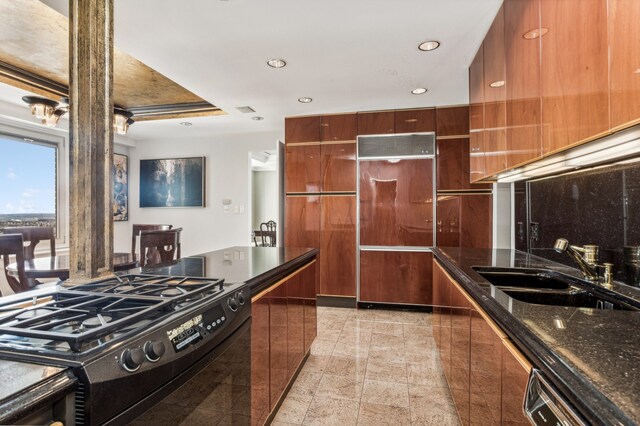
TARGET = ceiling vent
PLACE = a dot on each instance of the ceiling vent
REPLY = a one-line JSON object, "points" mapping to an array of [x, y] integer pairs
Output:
{"points": [[245, 109]]}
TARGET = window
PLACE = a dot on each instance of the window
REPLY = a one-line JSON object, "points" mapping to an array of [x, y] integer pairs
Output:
{"points": [[30, 173]]}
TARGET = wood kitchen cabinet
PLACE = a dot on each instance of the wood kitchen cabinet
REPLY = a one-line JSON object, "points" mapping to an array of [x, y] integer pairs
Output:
{"points": [[302, 221], [464, 220], [487, 375], [302, 154], [477, 169], [624, 45], [515, 375], [454, 165], [574, 73], [523, 96], [452, 121], [415, 120], [410, 273], [376, 123], [260, 407], [283, 327], [495, 134], [338, 245], [338, 153]]}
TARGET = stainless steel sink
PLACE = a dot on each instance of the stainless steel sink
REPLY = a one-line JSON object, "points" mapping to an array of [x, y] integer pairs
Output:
{"points": [[545, 287], [523, 278]]}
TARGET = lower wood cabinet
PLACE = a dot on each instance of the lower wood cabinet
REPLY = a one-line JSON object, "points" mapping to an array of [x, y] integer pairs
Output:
{"points": [[338, 245], [395, 277], [464, 220], [282, 329], [486, 373]]}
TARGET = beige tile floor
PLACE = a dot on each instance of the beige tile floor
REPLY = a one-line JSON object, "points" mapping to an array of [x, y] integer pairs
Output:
{"points": [[370, 367]]}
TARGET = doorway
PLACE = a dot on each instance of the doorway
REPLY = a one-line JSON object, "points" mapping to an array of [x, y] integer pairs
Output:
{"points": [[265, 194]]}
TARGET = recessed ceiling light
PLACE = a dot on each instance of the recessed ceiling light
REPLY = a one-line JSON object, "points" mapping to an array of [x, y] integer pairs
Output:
{"points": [[419, 91], [305, 100], [276, 63], [496, 84], [186, 123], [535, 33], [257, 118], [429, 45]]}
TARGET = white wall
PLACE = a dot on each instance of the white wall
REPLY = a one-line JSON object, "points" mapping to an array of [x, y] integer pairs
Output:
{"points": [[265, 197], [227, 177]]}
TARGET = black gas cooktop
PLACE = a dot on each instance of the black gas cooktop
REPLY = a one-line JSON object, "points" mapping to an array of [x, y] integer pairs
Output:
{"points": [[75, 319]]}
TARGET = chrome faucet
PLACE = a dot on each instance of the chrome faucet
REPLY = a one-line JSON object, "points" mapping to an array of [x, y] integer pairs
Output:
{"points": [[586, 257]]}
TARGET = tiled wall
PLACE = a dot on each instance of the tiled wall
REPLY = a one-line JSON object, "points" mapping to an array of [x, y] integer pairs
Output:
{"points": [[598, 206]]}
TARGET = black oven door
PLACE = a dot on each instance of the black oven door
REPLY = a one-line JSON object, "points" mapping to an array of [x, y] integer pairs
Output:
{"points": [[216, 390]]}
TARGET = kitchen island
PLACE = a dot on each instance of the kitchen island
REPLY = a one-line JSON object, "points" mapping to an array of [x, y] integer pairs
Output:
{"points": [[50, 389], [591, 356]]}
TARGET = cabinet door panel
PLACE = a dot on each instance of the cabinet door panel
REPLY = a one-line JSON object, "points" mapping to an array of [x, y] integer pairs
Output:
{"points": [[343, 127], [523, 107], [260, 360], [302, 129], [278, 338], [302, 221], [396, 203], [514, 385], [464, 220], [338, 245], [295, 323], [495, 135], [624, 42], [416, 120], [453, 165], [477, 169], [338, 167], [460, 351], [376, 123], [452, 121], [485, 373], [302, 168], [396, 277], [575, 74], [310, 284]]}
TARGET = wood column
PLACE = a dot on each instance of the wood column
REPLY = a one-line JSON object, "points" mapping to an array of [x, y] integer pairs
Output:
{"points": [[91, 139]]}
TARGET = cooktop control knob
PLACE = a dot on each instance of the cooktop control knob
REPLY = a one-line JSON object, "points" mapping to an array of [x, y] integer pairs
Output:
{"points": [[241, 298], [154, 350], [233, 304], [132, 359]]}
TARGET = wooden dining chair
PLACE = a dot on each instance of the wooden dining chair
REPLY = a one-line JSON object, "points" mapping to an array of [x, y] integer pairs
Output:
{"points": [[266, 237], [137, 228], [159, 247], [13, 245], [33, 235]]}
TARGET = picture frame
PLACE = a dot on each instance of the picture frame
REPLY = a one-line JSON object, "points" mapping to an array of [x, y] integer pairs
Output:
{"points": [[172, 182], [120, 188]]}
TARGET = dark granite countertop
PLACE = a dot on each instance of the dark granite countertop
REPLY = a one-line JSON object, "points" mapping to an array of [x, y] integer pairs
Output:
{"points": [[257, 266], [591, 355], [27, 387]]}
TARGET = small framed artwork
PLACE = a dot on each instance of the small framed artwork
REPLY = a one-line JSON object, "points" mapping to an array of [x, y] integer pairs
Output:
{"points": [[120, 187], [172, 182]]}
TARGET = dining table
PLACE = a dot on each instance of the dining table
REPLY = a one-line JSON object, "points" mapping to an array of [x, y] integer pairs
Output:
{"points": [[58, 266]]}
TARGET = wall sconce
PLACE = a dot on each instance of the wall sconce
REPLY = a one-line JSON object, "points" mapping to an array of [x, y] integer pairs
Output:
{"points": [[121, 121], [49, 114], [45, 110]]}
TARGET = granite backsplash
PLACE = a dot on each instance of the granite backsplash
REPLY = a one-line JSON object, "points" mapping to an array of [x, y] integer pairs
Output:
{"points": [[598, 206]]}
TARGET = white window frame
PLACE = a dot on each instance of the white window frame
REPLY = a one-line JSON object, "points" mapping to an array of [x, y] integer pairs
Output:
{"points": [[53, 138]]}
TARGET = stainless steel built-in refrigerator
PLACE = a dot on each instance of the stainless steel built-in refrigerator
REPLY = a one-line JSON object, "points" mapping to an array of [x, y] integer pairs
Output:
{"points": [[396, 176]]}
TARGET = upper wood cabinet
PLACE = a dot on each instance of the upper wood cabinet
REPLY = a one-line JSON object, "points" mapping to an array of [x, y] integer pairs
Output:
{"points": [[452, 121], [415, 120], [575, 72], [376, 123], [523, 99], [338, 153], [495, 119], [624, 42], [477, 169], [302, 129]]}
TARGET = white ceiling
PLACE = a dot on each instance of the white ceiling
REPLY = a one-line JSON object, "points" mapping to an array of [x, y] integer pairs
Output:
{"points": [[348, 55]]}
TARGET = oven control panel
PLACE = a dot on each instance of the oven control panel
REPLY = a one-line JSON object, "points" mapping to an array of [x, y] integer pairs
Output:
{"points": [[183, 333]]}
